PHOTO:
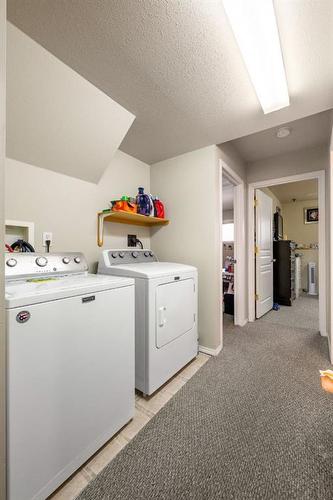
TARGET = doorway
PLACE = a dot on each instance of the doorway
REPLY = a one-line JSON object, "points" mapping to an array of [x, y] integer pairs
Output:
{"points": [[232, 248], [228, 254], [287, 251]]}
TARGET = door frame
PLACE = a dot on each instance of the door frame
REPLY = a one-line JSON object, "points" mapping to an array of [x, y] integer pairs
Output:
{"points": [[3, 347], [320, 176], [240, 317]]}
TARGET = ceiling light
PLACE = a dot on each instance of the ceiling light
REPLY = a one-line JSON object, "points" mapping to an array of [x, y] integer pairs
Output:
{"points": [[283, 132], [255, 28]]}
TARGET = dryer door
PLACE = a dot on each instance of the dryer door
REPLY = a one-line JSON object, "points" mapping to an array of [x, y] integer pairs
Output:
{"points": [[175, 310]]}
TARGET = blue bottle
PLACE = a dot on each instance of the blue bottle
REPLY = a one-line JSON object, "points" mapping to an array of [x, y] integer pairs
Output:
{"points": [[143, 202]]}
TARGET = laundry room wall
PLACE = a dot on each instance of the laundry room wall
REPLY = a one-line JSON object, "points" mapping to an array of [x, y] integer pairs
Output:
{"points": [[68, 206], [189, 186]]}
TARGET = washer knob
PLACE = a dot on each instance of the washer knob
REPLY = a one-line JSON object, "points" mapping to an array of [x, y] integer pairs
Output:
{"points": [[121, 255], [11, 262], [41, 261], [135, 254], [66, 260], [77, 260], [114, 255], [147, 254]]}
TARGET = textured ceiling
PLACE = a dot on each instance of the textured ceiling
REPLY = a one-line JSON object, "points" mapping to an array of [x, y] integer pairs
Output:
{"points": [[176, 66], [303, 190], [305, 133]]}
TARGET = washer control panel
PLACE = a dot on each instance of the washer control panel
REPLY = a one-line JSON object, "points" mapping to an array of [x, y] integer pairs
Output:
{"points": [[25, 264], [137, 256]]}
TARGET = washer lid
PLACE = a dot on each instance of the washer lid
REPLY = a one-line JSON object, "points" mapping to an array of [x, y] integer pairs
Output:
{"points": [[44, 289], [149, 269]]}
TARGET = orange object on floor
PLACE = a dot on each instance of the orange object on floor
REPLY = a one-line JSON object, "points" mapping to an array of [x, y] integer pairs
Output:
{"points": [[326, 379]]}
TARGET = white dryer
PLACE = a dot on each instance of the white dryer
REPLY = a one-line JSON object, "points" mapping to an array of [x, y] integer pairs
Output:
{"points": [[70, 382], [166, 303]]}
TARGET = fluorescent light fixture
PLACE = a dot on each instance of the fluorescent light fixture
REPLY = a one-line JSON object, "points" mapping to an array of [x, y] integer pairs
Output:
{"points": [[255, 28]]}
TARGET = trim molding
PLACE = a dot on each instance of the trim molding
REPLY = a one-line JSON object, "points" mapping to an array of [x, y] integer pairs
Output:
{"points": [[209, 351], [242, 323]]}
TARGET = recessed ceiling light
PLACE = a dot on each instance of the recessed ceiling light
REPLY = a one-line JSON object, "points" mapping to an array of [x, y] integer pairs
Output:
{"points": [[255, 28], [283, 132]]}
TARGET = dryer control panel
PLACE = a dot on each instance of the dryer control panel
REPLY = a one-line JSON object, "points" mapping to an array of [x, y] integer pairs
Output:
{"points": [[133, 256], [21, 265]]}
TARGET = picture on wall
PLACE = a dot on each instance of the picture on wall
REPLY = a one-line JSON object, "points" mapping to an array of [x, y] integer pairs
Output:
{"points": [[311, 215]]}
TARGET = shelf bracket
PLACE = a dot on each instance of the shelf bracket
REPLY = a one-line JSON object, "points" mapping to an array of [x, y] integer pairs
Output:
{"points": [[100, 228]]}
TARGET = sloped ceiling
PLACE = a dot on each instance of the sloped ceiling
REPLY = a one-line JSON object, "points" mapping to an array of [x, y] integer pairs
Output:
{"points": [[176, 65], [55, 118]]}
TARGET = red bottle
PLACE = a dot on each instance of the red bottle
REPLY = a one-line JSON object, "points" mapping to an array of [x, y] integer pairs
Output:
{"points": [[159, 208]]}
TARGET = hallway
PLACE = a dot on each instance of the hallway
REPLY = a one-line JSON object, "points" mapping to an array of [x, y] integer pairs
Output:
{"points": [[251, 423], [304, 313]]}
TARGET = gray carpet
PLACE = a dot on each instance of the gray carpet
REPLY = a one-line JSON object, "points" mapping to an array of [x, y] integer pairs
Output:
{"points": [[253, 423], [304, 313]]}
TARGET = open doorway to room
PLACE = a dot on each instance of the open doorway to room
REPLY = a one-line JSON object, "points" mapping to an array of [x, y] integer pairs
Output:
{"points": [[289, 253], [228, 250], [232, 248]]}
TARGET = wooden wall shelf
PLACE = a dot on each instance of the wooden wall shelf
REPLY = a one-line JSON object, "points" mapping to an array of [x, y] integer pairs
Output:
{"points": [[125, 218]]}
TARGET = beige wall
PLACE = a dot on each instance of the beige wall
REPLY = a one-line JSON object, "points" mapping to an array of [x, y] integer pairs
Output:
{"points": [[296, 230], [2, 315], [298, 162], [228, 216], [188, 184], [67, 206], [230, 156]]}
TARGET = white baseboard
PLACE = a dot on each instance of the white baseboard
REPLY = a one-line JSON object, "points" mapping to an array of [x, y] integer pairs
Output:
{"points": [[243, 322], [209, 351]]}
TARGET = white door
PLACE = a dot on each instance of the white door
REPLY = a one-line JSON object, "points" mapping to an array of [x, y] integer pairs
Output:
{"points": [[175, 310], [264, 253]]}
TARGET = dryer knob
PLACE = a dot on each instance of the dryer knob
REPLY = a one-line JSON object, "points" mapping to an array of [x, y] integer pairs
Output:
{"points": [[77, 260], [11, 262], [114, 255], [41, 261], [121, 255], [147, 254], [135, 254], [66, 260]]}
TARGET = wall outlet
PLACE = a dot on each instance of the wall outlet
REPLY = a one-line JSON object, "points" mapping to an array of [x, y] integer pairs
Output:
{"points": [[47, 236], [131, 240]]}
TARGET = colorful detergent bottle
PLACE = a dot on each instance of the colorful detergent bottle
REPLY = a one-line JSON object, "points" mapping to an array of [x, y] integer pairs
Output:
{"points": [[124, 205], [143, 202], [159, 208]]}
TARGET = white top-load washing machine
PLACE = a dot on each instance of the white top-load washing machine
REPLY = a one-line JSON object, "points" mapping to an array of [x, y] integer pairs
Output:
{"points": [[70, 367], [166, 333]]}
